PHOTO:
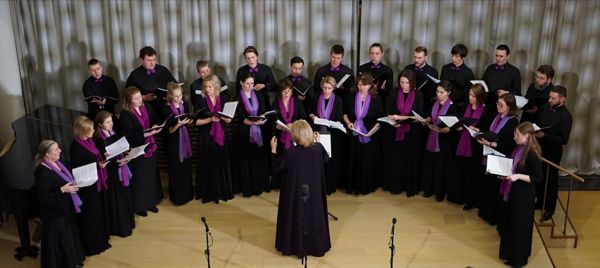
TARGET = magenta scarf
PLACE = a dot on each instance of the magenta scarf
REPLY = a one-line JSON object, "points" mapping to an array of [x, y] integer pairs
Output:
{"points": [[506, 184], [286, 137], [64, 173], [360, 110], [144, 120], [124, 171], [216, 129], [251, 107], [102, 174], [185, 145], [464, 143], [324, 110], [404, 108], [433, 142]]}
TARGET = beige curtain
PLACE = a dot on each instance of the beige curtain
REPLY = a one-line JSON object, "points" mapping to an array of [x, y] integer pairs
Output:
{"points": [[56, 38]]}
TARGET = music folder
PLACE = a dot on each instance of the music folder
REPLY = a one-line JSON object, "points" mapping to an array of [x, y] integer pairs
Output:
{"points": [[449, 120], [85, 175], [302, 89], [117, 148], [368, 134], [261, 117], [331, 124], [342, 81], [159, 126], [99, 97], [387, 120], [283, 125], [229, 109], [498, 165]]}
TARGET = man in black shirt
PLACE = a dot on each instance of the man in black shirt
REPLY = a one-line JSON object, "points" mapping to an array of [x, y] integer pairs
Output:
{"points": [[99, 90], [204, 71], [382, 74], [264, 81], [501, 77], [337, 70], [422, 69], [458, 73], [556, 120], [538, 93], [303, 88]]}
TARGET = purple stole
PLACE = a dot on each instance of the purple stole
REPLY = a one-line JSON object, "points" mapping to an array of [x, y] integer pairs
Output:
{"points": [[464, 143], [251, 107], [404, 107], [324, 111], [360, 110], [124, 172], [499, 123], [144, 120], [64, 173], [216, 129], [102, 174], [286, 137], [506, 184], [185, 145], [433, 142]]}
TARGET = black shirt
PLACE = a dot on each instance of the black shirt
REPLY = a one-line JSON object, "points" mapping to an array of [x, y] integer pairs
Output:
{"points": [[381, 73], [559, 121], [338, 73], [461, 77], [536, 97], [104, 87], [506, 77], [149, 83], [424, 84], [196, 88]]}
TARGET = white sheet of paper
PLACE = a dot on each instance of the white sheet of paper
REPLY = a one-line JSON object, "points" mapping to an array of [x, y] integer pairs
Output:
{"points": [[490, 151], [449, 120], [521, 101], [223, 88], [485, 87], [472, 132], [322, 122], [284, 126], [199, 92], [418, 116], [325, 140], [341, 82], [386, 119], [499, 165], [116, 148], [135, 152], [85, 175], [338, 125], [435, 80], [229, 109]]}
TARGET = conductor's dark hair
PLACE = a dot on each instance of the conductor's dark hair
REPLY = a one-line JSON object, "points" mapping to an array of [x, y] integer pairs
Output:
{"points": [[337, 49], [460, 50], [93, 61], [546, 70], [296, 59], [562, 91], [147, 51], [504, 47]]}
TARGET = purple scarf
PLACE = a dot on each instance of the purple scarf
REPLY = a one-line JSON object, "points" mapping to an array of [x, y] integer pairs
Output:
{"points": [[361, 110], [285, 136], [252, 110], [324, 111], [124, 172], [185, 145], [404, 107], [464, 143], [216, 129], [433, 142], [506, 184], [66, 176], [102, 174], [144, 120], [499, 123]]}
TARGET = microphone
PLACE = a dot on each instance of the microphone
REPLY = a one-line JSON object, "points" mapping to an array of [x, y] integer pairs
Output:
{"points": [[305, 194], [393, 221], [204, 221]]}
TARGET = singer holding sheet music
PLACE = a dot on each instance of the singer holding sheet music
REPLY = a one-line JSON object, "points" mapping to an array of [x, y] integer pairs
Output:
{"points": [[179, 145], [264, 81], [59, 202], [303, 167], [146, 189], [460, 74], [99, 90], [518, 194], [401, 159], [422, 69], [213, 179], [117, 198], [361, 111], [93, 225], [336, 69], [303, 88], [382, 74], [331, 107]]}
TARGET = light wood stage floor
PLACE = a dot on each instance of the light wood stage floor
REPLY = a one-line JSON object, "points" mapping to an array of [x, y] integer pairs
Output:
{"points": [[428, 234]]}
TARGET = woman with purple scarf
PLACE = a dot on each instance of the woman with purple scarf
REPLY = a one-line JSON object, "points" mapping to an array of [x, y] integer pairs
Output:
{"points": [[251, 165], [518, 193], [439, 148], [213, 180], [117, 198], [94, 229], [400, 159], [330, 106], [289, 109], [179, 146], [361, 111], [503, 126], [59, 202], [146, 188]]}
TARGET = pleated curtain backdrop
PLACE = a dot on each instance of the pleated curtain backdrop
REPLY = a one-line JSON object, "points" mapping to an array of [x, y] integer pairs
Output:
{"points": [[56, 38]]}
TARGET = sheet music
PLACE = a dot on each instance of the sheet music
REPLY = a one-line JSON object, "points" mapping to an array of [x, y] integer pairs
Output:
{"points": [[472, 132], [284, 126], [229, 109], [368, 134], [116, 148], [435, 80], [325, 140], [521, 101], [481, 82], [159, 126], [85, 175], [199, 92], [338, 125], [386, 119], [538, 128], [341, 82], [135, 152], [422, 84], [490, 151], [448, 120], [499, 165], [322, 122], [223, 88], [418, 116]]}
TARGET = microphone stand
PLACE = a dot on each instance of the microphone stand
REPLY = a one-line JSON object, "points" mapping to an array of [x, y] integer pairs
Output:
{"points": [[392, 247], [207, 250]]}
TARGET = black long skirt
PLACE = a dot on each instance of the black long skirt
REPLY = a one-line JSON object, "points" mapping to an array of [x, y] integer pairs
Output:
{"points": [[213, 182], [61, 246], [118, 205], [146, 188]]}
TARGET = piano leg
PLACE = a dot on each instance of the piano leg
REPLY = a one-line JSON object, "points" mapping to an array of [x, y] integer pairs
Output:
{"points": [[22, 207]]}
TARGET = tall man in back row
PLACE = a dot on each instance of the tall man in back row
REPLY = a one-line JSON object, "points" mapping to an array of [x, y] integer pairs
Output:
{"points": [[501, 77], [336, 69], [424, 84], [383, 75]]}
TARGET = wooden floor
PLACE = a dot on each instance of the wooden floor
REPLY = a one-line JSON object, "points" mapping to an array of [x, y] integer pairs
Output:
{"points": [[428, 234]]}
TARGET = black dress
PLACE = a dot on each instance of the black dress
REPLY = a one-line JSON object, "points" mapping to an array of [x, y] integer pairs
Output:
{"points": [[401, 159], [146, 188], [302, 166], [117, 199], [93, 224], [515, 236], [180, 173], [213, 180], [151, 83], [61, 246], [363, 158]]}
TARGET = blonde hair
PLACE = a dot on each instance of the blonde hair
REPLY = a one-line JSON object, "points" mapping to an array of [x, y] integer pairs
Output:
{"points": [[43, 149], [526, 128], [128, 96], [215, 82], [171, 88], [82, 126], [329, 80], [302, 133]]}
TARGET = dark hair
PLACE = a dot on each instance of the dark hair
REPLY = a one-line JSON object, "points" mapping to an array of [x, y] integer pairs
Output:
{"points": [[200, 64], [562, 91], [147, 51], [421, 49], [546, 70], [246, 76], [460, 50], [410, 75], [447, 86], [511, 103], [504, 47], [367, 79], [376, 45], [250, 49], [93, 61], [479, 93], [284, 84], [337, 49], [296, 59]]}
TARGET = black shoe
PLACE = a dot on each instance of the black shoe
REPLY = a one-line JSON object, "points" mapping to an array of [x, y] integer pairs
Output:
{"points": [[153, 209], [143, 213], [547, 216]]}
